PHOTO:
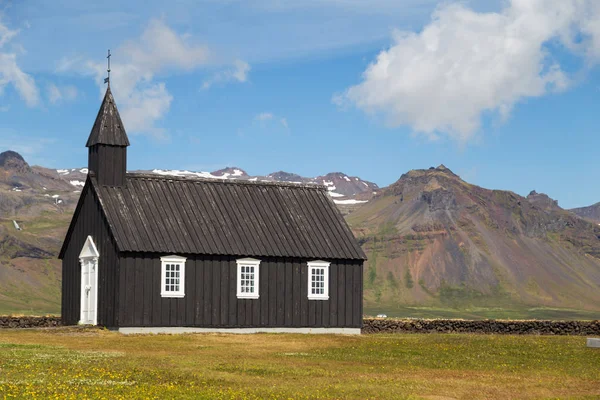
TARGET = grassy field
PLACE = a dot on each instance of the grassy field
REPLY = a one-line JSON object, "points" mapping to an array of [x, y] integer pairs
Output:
{"points": [[94, 363], [515, 312]]}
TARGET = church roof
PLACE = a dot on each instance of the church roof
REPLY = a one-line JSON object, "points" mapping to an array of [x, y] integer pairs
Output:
{"points": [[174, 215], [108, 127]]}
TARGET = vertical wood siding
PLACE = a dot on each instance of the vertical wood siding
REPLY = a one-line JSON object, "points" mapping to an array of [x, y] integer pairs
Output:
{"points": [[109, 163], [90, 222], [210, 295]]}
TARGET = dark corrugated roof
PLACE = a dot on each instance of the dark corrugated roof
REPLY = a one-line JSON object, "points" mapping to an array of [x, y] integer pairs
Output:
{"points": [[198, 216], [108, 127]]}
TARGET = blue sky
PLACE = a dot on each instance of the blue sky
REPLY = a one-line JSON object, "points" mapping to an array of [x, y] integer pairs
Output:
{"points": [[505, 93]]}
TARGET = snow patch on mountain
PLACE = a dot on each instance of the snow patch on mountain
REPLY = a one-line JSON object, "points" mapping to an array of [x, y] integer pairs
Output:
{"points": [[345, 189], [350, 201], [176, 172]]}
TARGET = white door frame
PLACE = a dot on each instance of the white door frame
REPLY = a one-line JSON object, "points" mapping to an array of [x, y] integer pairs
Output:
{"points": [[88, 259]]}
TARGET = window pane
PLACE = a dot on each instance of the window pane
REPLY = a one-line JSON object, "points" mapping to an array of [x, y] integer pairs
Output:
{"points": [[317, 281], [247, 279]]}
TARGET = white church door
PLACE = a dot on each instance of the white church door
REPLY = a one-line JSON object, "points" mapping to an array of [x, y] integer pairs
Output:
{"points": [[89, 283]]}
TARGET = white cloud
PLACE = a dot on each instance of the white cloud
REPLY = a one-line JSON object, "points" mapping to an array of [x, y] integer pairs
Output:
{"points": [[464, 64], [238, 73], [11, 73], [68, 63], [265, 116], [362, 6], [142, 100], [64, 93], [159, 47], [144, 107], [54, 94], [264, 119], [6, 34]]}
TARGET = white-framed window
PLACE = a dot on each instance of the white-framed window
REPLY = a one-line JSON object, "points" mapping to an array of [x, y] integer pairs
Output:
{"points": [[172, 276], [318, 280], [248, 272]]}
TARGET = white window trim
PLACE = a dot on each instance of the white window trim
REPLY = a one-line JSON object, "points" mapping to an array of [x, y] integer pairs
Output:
{"points": [[163, 265], [318, 264], [253, 263]]}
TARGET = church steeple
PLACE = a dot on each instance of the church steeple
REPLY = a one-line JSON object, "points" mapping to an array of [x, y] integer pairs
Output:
{"points": [[108, 128], [107, 145]]}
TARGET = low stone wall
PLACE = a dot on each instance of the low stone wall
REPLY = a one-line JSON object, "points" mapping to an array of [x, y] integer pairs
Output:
{"points": [[28, 322], [378, 325], [507, 327]]}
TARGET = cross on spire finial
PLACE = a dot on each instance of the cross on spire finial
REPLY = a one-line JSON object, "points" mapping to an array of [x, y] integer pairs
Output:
{"points": [[107, 79]]}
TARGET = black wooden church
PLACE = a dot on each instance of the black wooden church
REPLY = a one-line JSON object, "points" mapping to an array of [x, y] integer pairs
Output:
{"points": [[149, 253]]}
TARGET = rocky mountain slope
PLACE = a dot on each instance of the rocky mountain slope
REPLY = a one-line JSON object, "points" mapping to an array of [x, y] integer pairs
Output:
{"points": [[36, 205], [591, 213], [348, 192], [432, 238]]}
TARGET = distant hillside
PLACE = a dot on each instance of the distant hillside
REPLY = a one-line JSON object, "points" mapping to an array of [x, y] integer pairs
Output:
{"points": [[348, 192], [36, 205], [432, 238], [591, 213], [40, 204]]}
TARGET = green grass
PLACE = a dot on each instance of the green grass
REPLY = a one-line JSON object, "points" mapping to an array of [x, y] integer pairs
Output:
{"points": [[515, 312], [23, 298], [92, 363]]}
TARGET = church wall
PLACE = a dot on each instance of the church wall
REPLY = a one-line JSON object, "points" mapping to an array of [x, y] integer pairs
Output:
{"points": [[90, 221], [211, 301]]}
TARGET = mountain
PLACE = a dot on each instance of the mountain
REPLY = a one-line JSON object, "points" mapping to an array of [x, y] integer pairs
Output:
{"points": [[434, 239], [36, 205], [543, 201], [13, 161], [591, 213], [348, 192]]}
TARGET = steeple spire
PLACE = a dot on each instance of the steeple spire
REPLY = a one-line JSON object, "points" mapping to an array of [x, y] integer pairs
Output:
{"points": [[107, 143], [108, 127]]}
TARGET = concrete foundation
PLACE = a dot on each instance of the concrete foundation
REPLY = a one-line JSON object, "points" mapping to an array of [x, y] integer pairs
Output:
{"points": [[175, 330]]}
